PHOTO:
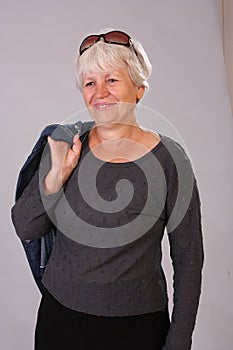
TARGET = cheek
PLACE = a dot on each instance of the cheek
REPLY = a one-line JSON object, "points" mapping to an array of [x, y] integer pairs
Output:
{"points": [[130, 96], [86, 96], [125, 94]]}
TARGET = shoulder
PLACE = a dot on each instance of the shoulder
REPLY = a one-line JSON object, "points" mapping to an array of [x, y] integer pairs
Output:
{"points": [[176, 163], [174, 150], [167, 145]]}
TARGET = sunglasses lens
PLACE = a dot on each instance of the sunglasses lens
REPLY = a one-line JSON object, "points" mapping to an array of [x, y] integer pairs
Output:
{"points": [[89, 41], [117, 37], [114, 37]]}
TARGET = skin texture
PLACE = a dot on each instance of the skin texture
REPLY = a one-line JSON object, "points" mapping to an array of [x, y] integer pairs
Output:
{"points": [[110, 87], [64, 159], [111, 100]]}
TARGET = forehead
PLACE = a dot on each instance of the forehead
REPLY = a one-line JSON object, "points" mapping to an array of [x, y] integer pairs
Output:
{"points": [[122, 71]]}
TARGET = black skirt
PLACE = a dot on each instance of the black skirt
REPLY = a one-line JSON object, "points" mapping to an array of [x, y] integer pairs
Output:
{"points": [[60, 328]]}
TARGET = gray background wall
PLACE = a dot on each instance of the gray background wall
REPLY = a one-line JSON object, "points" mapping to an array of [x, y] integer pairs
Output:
{"points": [[188, 87]]}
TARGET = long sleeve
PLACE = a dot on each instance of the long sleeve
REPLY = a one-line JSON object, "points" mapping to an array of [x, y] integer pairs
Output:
{"points": [[186, 249], [29, 216]]}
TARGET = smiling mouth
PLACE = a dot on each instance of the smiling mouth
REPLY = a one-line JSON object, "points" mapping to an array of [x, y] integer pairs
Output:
{"points": [[103, 106]]}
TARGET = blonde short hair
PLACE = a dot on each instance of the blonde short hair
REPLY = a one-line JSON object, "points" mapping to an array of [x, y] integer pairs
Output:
{"points": [[102, 57]]}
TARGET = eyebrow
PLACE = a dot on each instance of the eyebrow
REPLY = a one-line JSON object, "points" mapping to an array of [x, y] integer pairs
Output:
{"points": [[106, 74]]}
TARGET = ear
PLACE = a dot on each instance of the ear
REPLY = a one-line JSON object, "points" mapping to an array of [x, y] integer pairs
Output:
{"points": [[140, 93]]}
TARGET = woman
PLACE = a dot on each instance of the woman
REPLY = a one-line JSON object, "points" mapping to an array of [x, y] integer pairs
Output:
{"points": [[110, 199]]}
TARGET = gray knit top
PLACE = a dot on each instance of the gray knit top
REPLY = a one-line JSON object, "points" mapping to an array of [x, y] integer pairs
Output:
{"points": [[110, 220]]}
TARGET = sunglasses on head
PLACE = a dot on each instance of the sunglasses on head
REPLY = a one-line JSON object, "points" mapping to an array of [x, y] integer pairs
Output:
{"points": [[114, 37]]}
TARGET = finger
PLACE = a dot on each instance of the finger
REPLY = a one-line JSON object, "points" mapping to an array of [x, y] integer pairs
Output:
{"points": [[76, 148], [58, 146], [75, 138], [57, 142], [72, 159], [49, 140]]}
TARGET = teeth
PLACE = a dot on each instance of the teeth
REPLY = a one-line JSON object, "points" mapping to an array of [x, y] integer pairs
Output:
{"points": [[103, 106]]}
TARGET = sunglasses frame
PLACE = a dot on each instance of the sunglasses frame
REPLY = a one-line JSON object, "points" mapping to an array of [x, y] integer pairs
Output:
{"points": [[103, 35]]}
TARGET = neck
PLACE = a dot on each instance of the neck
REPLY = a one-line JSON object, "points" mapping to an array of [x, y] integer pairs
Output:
{"points": [[114, 131]]}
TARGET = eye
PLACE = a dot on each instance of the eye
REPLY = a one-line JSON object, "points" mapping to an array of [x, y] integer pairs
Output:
{"points": [[112, 81], [89, 84]]}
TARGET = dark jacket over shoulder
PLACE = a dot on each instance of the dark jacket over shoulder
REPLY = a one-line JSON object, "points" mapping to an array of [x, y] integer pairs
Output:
{"points": [[39, 250]]}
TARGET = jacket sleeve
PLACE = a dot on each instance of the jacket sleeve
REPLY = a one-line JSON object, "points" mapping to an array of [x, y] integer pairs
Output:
{"points": [[30, 218], [183, 209]]}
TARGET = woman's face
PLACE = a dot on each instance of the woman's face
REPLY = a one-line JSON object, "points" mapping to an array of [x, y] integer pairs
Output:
{"points": [[109, 96]]}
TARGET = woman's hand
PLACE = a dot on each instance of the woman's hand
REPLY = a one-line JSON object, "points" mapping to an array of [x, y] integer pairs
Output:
{"points": [[64, 159]]}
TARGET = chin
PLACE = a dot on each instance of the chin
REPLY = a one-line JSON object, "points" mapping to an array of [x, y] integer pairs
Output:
{"points": [[118, 114]]}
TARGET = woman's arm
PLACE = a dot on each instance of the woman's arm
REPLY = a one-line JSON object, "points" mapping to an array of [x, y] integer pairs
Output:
{"points": [[29, 216], [32, 212], [186, 250]]}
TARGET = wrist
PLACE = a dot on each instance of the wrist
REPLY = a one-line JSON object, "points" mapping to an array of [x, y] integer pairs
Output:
{"points": [[52, 182]]}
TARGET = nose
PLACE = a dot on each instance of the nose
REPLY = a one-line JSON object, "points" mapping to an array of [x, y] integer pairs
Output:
{"points": [[101, 90]]}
